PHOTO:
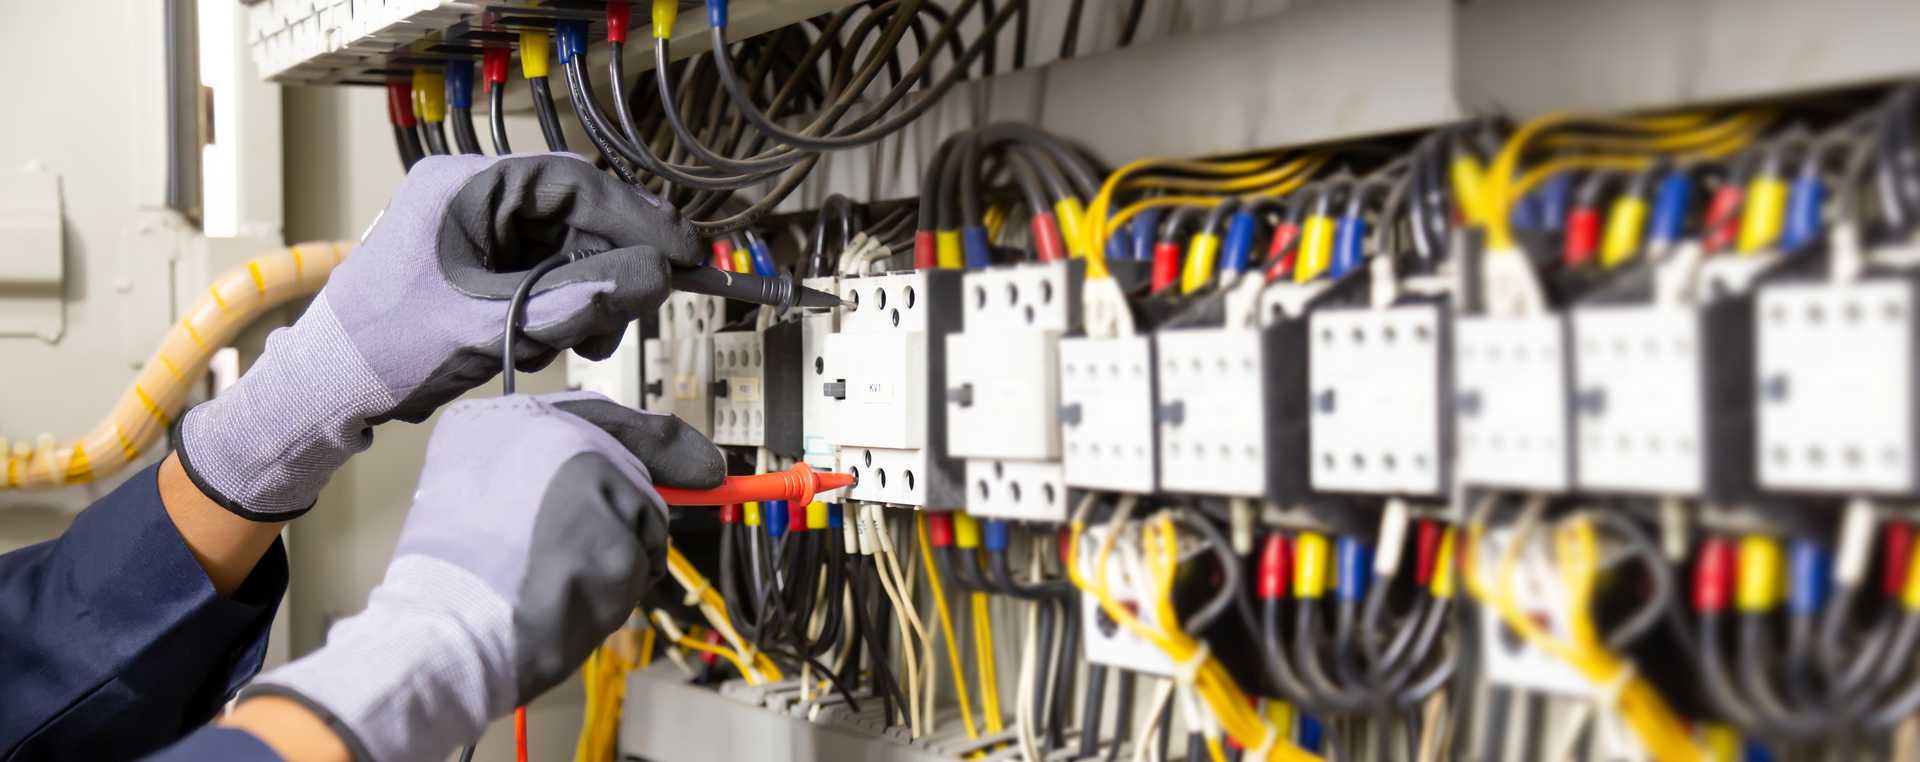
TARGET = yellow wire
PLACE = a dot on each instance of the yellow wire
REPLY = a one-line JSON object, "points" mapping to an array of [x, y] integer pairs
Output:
{"points": [[687, 641], [989, 672], [1094, 235], [946, 625]]}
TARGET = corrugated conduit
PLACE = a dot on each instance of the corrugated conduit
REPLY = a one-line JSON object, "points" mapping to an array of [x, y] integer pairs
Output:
{"points": [[236, 299]]}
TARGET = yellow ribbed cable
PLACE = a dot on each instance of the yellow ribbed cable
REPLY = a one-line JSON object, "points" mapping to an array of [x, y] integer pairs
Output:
{"points": [[236, 299]]}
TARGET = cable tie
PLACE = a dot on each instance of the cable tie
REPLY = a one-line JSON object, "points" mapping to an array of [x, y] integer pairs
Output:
{"points": [[1267, 742], [1609, 692], [1184, 672], [693, 593]]}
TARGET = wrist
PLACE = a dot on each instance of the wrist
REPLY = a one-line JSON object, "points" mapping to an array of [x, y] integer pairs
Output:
{"points": [[265, 447], [293, 731], [418, 672]]}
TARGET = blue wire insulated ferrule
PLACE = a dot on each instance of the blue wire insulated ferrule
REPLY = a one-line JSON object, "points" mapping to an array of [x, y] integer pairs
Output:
{"points": [[1803, 211], [993, 535], [1552, 201], [460, 83], [1307, 732], [1353, 562], [773, 513], [1120, 245], [973, 242], [1347, 239], [1526, 212], [717, 14], [1810, 570], [1143, 227], [1236, 250], [836, 516], [762, 258], [1670, 203], [572, 35]]}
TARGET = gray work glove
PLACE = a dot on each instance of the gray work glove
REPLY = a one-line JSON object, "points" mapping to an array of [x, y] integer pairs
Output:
{"points": [[415, 318], [534, 531]]}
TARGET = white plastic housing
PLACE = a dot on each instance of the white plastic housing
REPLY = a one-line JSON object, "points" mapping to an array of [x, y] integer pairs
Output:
{"points": [[1510, 395], [816, 410], [881, 355], [680, 362], [1019, 490], [1211, 414], [1836, 386], [739, 417], [1107, 641], [619, 376], [1638, 392], [1376, 380], [1106, 429]]}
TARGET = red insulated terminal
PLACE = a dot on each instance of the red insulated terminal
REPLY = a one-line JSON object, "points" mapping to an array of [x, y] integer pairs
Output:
{"points": [[713, 639], [400, 103], [926, 250], [1282, 252], [1426, 544], [619, 17], [1166, 264], [798, 485], [1713, 576], [1723, 216], [730, 513], [940, 529], [1896, 548], [722, 254], [493, 65], [1583, 236], [1275, 560], [797, 515], [1064, 542], [1047, 243]]}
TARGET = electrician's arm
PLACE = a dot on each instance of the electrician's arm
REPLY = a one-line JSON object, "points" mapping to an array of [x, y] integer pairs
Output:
{"points": [[226, 545], [262, 729]]}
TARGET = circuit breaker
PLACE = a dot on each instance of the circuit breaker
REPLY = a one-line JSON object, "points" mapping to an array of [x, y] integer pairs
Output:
{"points": [[1003, 388], [882, 372], [739, 413], [1106, 414], [679, 366], [1835, 374], [1662, 398], [1211, 412], [1511, 402], [1378, 384]]}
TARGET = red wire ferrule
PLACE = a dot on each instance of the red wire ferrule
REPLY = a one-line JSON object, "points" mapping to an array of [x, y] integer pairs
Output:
{"points": [[619, 17], [1713, 576], [1426, 545], [926, 250], [1896, 548], [1583, 236], [493, 65], [730, 513], [797, 515], [1276, 558], [940, 529], [1166, 264], [400, 103], [722, 255], [1047, 243]]}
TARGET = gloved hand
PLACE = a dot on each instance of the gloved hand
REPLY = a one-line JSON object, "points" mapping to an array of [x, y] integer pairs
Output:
{"points": [[415, 318], [534, 531]]}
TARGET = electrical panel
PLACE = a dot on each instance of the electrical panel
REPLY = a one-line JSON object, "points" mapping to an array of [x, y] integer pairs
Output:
{"points": [[1661, 398], [1510, 402], [619, 376], [883, 372], [1107, 427], [1378, 390], [679, 367], [739, 396], [1003, 388], [1211, 412], [1836, 387]]}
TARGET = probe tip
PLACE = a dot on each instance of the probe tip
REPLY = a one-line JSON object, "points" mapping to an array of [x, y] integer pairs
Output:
{"points": [[849, 304]]}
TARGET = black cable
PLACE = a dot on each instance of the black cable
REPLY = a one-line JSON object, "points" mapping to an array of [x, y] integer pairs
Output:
{"points": [[463, 135], [408, 145], [436, 137], [549, 117], [1096, 691], [517, 307], [1131, 26], [1070, 39], [497, 118]]}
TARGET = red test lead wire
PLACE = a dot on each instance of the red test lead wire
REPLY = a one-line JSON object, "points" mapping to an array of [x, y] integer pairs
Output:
{"points": [[798, 484]]}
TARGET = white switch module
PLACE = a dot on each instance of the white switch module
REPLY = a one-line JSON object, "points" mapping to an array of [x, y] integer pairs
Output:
{"points": [[1106, 414], [1378, 405], [1212, 411], [1835, 388], [888, 405], [1510, 402]]}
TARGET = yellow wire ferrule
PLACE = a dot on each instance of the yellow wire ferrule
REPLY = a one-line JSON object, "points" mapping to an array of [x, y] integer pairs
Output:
{"points": [[1202, 251], [1444, 583], [664, 12], [947, 248], [535, 50], [750, 514], [1469, 184], [1910, 594], [1073, 226], [742, 260], [816, 515], [1310, 559], [1622, 237], [430, 90], [966, 531], [1316, 248], [1766, 208], [1758, 585]]}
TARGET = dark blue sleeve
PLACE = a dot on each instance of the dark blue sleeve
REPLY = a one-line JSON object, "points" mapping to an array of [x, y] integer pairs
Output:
{"points": [[217, 745], [113, 642]]}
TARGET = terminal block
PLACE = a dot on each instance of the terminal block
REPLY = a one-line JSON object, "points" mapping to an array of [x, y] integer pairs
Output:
{"points": [[1003, 388], [1835, 369], [1106, 414], [1511, 402], [883, 372], [1211, 412], [1662, 399], [679, 364], [1378, 380], [739, 395]]}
